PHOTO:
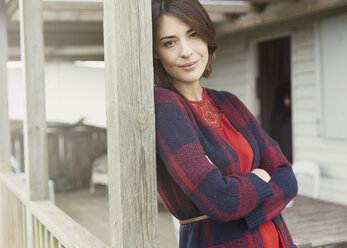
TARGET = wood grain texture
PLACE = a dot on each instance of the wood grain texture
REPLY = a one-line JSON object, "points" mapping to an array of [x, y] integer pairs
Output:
{"points": [[295, 10], [68, 232], [5, 149], [16, 185], [91, 211], [35, 140], [130, 123], [227, 7], [37, 224], [316, 223], [12, 203]]}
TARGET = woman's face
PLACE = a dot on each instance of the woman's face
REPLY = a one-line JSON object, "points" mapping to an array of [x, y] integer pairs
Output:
{"points": [[183, 54]]}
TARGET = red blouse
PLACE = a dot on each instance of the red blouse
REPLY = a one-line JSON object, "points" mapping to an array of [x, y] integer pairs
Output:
{"points": [[210, 112]]}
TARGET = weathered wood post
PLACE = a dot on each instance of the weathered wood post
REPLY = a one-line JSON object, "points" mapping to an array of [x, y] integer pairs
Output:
{"points": [[130, 123], [35, 138], [5, 147]]}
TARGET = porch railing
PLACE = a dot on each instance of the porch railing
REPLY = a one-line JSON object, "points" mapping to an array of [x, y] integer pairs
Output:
{"points": [[40, 223]]}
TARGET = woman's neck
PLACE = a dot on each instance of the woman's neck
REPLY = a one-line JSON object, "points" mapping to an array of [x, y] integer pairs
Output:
{"points": [[192, 92]]}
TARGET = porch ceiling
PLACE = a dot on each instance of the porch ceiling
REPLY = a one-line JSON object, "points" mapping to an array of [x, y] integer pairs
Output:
{"points": [[73, 28]]}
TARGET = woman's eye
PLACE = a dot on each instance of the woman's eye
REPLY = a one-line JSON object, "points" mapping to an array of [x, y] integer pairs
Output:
{"points": [[169, 43], [194, 34]]}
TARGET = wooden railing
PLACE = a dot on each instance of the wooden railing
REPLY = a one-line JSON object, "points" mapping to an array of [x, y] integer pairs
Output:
{"points": [[39, 222], [13, 210], [67, 148]]}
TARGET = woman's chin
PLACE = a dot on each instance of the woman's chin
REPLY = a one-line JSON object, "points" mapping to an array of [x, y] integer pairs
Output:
{"points": [[190, 79]]}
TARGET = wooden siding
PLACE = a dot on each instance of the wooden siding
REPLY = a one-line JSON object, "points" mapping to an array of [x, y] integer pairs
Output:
{"points": [[330, 154], [231, 72], [71, 152], [230, 69]]}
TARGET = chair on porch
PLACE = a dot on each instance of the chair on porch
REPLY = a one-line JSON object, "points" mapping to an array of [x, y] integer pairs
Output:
{"points": [[310, 168], [99, 172]]}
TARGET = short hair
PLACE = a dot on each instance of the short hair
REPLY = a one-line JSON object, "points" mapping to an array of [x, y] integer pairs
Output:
{"points": [[194, 15]]}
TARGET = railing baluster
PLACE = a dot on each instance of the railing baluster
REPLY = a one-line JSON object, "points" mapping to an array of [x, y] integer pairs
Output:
{"points": [[49, 226], [11, 219], [51, 240], [40, 235], [4, 214], [36, 240], [46, 238], [24, 241], [18, 222], [15, 218]]}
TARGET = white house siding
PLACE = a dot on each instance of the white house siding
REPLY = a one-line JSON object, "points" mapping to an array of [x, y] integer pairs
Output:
{"points": [[330, 154], [72, 92], [232, 70]]}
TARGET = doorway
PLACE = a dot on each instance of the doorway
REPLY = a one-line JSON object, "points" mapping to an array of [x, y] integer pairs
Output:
{"points": [[274, 91]]}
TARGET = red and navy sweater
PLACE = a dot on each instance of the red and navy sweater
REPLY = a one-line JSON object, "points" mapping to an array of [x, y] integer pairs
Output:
{"points": [[190, 185]]}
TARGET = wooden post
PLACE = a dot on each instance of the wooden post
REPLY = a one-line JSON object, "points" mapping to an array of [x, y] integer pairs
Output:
{"points": [[35, 138], [5, 142], [130, 123], [5, 148]]}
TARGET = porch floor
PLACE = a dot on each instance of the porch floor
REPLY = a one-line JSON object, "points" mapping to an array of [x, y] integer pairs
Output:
{"points": [[91, 211]]}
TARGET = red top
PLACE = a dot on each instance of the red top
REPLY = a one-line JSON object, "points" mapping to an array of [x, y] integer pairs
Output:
{"points": [[210, 112]]}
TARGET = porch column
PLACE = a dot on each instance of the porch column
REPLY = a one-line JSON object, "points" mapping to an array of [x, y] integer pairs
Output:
{"points": [[35, 140], [5, 142], [5, 148], [130, 123]]}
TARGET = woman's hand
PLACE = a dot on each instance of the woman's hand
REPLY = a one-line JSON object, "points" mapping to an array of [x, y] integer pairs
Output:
{"points": [[262, 174]]}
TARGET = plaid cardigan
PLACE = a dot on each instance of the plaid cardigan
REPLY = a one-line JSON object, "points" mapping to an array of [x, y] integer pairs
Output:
{"points": [[190, 185]]}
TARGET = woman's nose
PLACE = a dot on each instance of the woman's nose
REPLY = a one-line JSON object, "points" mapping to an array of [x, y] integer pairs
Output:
{"points": [[186, 50]]}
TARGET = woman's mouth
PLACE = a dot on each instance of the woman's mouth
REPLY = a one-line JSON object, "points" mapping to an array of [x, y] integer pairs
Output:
{"points": [[189, 66]]}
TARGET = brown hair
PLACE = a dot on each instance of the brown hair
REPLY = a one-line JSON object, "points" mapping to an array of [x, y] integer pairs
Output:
{"points": [[193, 14]]}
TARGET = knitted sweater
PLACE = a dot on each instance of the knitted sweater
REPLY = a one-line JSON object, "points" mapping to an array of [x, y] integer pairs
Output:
{"points": [[190, 185]]}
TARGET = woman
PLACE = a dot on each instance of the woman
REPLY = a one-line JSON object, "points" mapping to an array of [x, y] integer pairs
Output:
{"points": [[219, 173]]}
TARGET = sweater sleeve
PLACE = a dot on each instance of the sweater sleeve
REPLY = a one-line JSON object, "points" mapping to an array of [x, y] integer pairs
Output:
{"points": [[272, 160], [221, 198]]}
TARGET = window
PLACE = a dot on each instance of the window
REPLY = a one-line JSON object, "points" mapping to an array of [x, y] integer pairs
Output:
{"points": [[333, 64]]}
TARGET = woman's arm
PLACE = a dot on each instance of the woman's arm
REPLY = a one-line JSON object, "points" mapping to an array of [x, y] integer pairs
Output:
{"points": [[221, 198], [272, 160]]}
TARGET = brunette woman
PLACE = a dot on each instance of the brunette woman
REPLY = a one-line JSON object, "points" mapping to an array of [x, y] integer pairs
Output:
{"points": [[219, 173]]}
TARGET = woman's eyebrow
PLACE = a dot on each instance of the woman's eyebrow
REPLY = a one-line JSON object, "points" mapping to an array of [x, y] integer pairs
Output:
{"points": [[173, 36], [167, 37]]}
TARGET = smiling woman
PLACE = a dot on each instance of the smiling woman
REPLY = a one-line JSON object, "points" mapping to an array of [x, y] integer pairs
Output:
{"points": [[218, 172], [178, 27], [181, 51]]}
